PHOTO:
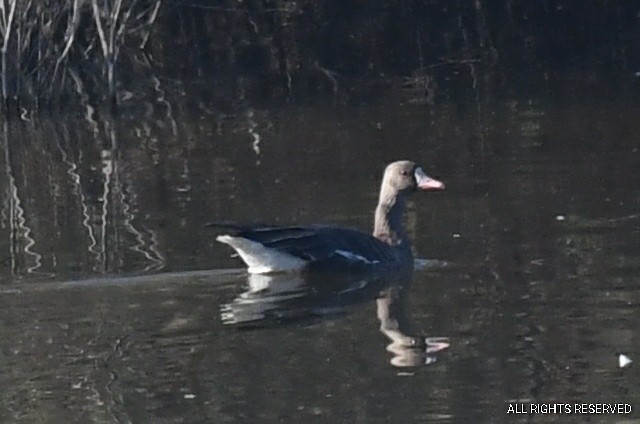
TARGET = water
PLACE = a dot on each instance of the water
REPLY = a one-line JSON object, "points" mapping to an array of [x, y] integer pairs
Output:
{"points": [[107, 316]]}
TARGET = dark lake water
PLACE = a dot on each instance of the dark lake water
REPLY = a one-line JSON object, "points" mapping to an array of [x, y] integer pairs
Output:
{"points": [[117, 305]]}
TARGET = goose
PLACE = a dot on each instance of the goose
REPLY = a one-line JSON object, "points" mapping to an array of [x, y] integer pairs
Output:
{"points": [[269, 249]]}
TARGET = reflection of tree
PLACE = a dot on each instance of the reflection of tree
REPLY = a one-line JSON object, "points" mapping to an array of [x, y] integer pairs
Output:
{"points": [[78, 191], [114, 200], [20, 239], [77, 188]]}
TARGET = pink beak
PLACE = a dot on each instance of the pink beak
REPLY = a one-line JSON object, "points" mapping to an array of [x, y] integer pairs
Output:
{"points": [[427, 183]]}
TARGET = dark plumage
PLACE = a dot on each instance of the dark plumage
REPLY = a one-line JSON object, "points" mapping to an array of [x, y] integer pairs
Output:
{"points": [[274, 249], [324, 247]]}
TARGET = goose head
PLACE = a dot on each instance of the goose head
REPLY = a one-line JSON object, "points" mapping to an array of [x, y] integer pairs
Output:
{"points": [[405, 176]]}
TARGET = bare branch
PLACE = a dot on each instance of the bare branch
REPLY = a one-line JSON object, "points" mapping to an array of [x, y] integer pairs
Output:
{"points": [[123, 25], [115, 14], [9, 22], [71, 33], [150, 21], [98, 20], [3, 17]]}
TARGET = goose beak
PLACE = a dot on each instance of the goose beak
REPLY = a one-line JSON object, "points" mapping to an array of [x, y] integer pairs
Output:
{"points": [[426, 183]]}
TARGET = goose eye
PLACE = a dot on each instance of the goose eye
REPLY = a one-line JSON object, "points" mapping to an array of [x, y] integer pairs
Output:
{"points": [[405, 173]]}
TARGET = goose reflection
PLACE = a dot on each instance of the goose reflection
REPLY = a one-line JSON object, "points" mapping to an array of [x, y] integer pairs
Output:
{"points": [[276, 300], [408, 350]]}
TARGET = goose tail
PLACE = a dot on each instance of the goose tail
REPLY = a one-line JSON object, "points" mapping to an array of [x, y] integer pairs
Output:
{"points": [[261, 259]]}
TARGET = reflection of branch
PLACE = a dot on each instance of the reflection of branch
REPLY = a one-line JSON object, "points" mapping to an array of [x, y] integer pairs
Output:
{"points": [[7, 167], [157, 86], [159, 261], [153, 255], [256, 136], [331, 75], [108, 164], [112, 186], [4, 212], [17, 215], [77, 189]]}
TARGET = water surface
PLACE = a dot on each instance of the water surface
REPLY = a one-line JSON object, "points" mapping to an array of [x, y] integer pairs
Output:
{"points": [[107, 316]]}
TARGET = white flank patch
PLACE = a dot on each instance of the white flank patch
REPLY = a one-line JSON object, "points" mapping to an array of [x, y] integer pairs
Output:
{"points": [[623, 360], [354, 256], [261, 259]]}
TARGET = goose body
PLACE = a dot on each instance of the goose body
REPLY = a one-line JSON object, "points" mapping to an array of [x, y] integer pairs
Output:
{"points": [[270, 249]]}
